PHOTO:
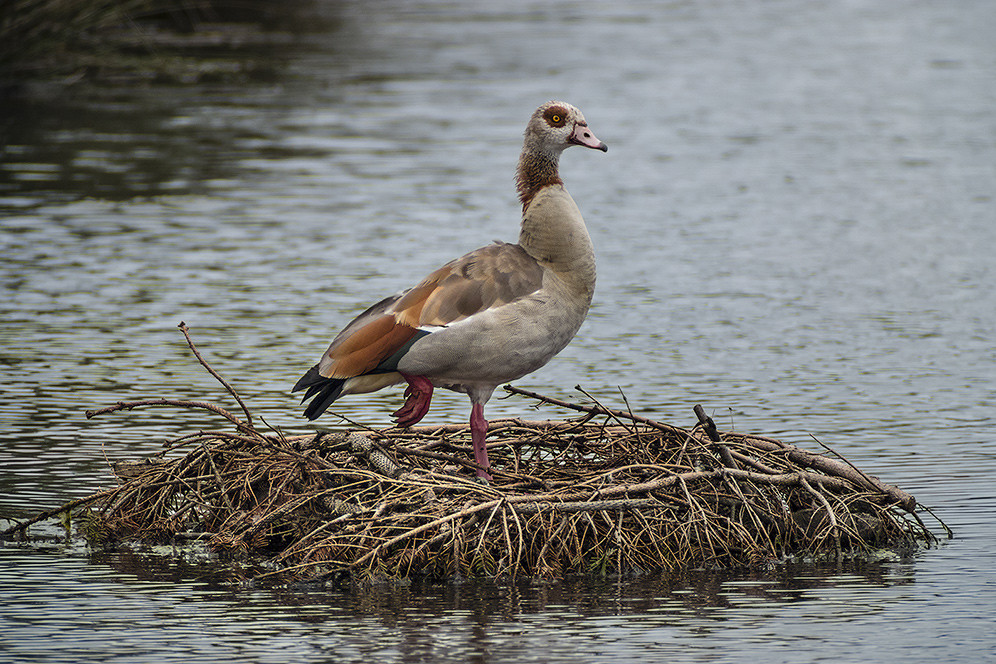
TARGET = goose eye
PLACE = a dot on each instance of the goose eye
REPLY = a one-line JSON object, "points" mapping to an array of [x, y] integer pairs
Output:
{"points": [[556, 116]]}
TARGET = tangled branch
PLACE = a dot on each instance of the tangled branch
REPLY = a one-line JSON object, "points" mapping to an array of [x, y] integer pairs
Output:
{"points": [[610, 491]]}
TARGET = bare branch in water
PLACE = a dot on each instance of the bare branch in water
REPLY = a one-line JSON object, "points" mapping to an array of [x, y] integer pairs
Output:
{"points": [[217, 376]]}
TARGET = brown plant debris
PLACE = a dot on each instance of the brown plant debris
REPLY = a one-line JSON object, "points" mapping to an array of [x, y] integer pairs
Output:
{"points": [[608, 492]]}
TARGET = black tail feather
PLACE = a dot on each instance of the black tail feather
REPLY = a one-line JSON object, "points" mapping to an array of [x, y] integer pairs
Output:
{"points": [[328, 393], [326, 389], [312, 391], [309, 379]]}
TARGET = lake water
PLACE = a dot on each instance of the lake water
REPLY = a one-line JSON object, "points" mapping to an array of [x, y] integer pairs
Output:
{"points": [[795, 227]]}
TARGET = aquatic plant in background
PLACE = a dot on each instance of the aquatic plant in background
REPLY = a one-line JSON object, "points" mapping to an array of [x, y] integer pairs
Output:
{"points": [[78, 38]]}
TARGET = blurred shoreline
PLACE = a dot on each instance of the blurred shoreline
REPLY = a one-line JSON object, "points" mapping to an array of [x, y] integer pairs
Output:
{"points": [[145, 41]]}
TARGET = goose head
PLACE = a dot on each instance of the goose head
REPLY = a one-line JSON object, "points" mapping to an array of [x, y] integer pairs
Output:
{"points": [[557, 125]]}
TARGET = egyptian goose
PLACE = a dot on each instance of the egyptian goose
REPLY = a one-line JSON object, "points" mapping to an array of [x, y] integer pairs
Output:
{"points": [[484, 319]]}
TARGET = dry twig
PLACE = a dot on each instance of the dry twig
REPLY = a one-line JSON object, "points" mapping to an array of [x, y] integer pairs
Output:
{"points": [[611, 492]]}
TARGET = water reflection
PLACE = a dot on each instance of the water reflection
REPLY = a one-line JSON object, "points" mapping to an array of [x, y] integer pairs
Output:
{"points": [[534, 621], [701, 593]]}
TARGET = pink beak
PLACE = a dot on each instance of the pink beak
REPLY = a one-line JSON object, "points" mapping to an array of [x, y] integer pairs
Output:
{"points": [[583, 136]]}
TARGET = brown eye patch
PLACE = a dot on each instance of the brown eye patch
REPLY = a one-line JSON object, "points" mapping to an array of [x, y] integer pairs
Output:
{"points": [[556, 116]]}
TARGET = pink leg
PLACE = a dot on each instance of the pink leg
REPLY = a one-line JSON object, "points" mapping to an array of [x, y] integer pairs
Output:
{"points": [[418, 397], [478, 432]]}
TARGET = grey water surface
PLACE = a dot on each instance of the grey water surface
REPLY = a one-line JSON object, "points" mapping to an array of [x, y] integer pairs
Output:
{"points": [[795, 226]]}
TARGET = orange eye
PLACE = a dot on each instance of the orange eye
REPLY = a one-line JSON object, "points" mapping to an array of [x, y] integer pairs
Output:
{"points": [[556, 116]]}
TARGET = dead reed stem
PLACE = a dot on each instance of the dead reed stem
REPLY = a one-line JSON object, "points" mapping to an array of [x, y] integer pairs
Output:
{"points": [[610, 492]]}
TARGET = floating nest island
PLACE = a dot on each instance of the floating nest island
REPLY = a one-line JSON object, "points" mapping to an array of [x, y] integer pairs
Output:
{"points": [[605, 492]]}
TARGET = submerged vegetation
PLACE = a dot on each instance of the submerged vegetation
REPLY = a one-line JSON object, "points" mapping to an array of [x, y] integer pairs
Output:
{"points": [[607, 492]]}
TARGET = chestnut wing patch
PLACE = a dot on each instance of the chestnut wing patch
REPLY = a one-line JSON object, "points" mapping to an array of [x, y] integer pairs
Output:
{"points": [[488, 277], [376, 339], [365, 342]]}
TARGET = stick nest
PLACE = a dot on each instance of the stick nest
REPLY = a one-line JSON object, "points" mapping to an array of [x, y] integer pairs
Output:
{"points": [[608, 492], [598, 494]]}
